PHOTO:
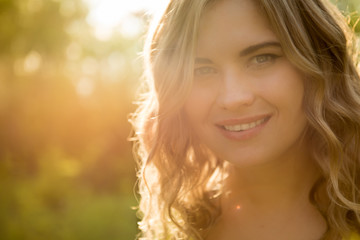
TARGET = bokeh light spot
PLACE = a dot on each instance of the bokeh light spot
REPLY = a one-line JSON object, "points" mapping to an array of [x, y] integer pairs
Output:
{"points": [[85, 87], [28, 65], [32, 62]]}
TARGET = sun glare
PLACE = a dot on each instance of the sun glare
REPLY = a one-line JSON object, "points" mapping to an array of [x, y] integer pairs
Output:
{"points": [[107, 16]]}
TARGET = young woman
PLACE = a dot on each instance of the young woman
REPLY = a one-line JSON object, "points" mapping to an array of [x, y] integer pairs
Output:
{"points": [[250, 125]]}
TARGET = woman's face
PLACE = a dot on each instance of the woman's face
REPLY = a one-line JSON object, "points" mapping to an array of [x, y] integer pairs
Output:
{"points": [[246, 100]]}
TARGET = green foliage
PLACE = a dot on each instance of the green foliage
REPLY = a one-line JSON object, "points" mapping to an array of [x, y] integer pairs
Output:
{"points": [[66, 170], [351, 9]]}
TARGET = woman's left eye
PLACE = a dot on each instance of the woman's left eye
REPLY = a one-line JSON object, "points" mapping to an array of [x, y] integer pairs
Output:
{"points": [[263, 60]]}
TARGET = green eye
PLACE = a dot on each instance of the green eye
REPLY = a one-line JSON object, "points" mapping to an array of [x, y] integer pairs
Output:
{"points": [[263, 60]]}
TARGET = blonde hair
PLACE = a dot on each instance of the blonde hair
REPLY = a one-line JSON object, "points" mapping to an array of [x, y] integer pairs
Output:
{"points": [[179, 178]]}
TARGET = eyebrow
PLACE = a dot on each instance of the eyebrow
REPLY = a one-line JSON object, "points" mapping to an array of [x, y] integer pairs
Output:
{"points": [[256, 47], [249, 50]]}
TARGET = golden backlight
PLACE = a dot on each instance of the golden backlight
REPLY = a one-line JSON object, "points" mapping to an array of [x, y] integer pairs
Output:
{"points": [[107, 16]]}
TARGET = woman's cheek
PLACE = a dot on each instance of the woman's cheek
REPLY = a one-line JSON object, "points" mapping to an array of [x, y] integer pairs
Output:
{"points": [[199, 103]]}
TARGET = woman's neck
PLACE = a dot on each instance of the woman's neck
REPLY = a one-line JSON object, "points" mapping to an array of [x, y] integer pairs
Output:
{"points": [[281, 182], [270, 202]]}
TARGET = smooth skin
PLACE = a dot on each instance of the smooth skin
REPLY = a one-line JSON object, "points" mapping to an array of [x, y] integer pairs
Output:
{"points": [[243, 80]]}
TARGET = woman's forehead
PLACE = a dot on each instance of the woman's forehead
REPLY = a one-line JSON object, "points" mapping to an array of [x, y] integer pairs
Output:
{"points": [[230, 23]]}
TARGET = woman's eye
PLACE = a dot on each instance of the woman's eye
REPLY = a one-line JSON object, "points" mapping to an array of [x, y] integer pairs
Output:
{"points": [[202, 71], [262, 60]]}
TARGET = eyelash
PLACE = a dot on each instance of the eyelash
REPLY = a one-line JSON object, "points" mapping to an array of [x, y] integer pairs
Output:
{"points": [[269, 58]]}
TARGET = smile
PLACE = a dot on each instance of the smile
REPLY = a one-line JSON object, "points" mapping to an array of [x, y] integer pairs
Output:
{"points": [[243, 127]]}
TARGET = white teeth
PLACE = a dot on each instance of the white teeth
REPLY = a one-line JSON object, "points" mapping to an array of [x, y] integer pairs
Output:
{"points": [[243, 127]]}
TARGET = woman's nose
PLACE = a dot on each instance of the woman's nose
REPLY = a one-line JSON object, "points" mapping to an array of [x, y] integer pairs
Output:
{"points": [[236, 91]]}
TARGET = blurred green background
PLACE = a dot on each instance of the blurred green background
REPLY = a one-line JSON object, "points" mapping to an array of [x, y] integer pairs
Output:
{"points": [[66, 89]]}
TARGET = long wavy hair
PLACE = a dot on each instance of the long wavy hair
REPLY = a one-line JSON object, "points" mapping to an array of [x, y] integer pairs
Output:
{"points": [[179, 179]]}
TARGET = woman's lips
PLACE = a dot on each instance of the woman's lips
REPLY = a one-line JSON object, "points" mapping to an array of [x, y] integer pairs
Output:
{"points": [[242, 128]]}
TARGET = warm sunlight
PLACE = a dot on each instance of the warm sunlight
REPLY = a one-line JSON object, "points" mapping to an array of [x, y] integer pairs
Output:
{"points": [[107, 16], [72, 76]]}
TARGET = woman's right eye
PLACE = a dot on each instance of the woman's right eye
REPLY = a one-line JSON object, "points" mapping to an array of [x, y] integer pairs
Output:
{"points": [[203, 71]]}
